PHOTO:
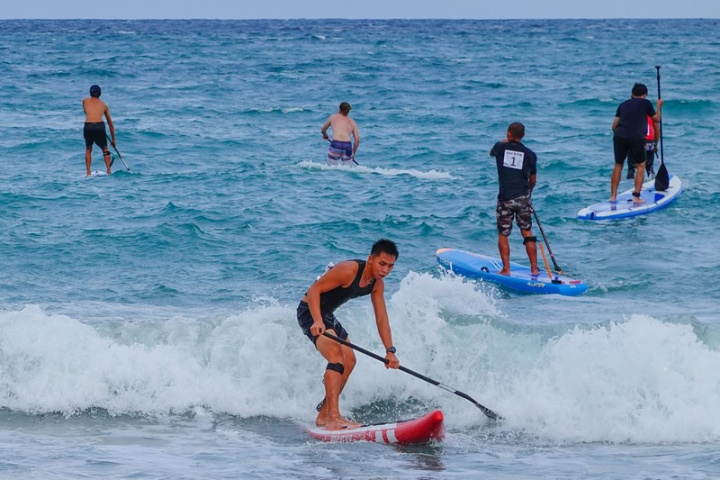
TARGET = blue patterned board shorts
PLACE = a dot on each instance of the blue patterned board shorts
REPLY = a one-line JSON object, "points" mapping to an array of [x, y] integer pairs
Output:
{"points": [[340, 152], [518, 208]]}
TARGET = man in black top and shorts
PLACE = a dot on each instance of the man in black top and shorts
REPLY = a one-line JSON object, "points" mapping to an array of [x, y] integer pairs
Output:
{"points": [[517, 173], [315, 314], [629, 131]]}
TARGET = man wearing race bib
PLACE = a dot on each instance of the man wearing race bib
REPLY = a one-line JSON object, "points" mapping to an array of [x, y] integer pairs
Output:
{"points": [[517, 174]]}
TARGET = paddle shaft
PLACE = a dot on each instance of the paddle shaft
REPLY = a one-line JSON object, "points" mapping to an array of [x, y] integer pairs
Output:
{"points": [[121, 158], [542, 232], [547, 266], [489, 413], [662, 157]]}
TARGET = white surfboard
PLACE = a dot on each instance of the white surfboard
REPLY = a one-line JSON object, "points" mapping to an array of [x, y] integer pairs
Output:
{"points": [[624, 206]]}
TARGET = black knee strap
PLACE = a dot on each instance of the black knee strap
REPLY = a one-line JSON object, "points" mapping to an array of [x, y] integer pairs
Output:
{"points": [[529, 240], [336, 367]]}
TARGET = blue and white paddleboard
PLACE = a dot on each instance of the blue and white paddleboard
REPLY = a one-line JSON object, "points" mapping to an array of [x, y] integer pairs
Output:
{"points": [[474, 265], [624, 207]]}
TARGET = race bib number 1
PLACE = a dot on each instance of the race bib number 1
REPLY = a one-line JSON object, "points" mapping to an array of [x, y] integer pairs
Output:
{"points": [[513, 159]]}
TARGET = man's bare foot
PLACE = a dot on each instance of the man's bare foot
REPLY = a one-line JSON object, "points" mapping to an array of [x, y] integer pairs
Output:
{"points": [[322, 419], [613, 200], [504, 272], [340, 423], [638, 201], [535, 274]]}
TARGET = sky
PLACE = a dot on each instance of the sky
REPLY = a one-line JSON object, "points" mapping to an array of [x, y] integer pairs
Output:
{"points": [[372, 9]]}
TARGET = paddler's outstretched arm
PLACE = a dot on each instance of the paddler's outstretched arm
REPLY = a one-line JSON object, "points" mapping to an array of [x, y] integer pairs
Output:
{"points": [[110, 125], [658, 110], [383, 323]]}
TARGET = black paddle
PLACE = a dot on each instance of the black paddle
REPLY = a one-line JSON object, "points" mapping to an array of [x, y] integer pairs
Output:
{"points": [[552, 257], [116, 151], [489, 413], [662, 178]]}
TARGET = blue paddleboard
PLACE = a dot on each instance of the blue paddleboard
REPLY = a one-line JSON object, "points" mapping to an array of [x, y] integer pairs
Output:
{"points": [[474, 265], [624, 207]]}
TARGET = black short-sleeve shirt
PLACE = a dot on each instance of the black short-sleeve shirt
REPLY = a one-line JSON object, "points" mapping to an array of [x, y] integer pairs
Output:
{"points": [[633, 121], [515, 164]]}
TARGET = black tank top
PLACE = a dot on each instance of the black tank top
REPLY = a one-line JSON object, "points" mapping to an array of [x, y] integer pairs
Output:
{"points": [[330, 301]]}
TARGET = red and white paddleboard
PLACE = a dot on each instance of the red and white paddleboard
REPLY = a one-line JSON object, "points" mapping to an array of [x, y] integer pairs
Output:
{"points": [[419, 431]]}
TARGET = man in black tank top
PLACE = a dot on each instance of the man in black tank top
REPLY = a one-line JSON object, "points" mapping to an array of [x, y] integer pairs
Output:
{"points": [[316, 315]]}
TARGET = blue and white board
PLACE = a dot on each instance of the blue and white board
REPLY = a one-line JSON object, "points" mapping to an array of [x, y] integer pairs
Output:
{"points": [[624, 207], [475, 265], [97, 173]]}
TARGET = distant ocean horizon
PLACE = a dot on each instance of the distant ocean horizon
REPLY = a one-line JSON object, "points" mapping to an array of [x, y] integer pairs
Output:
{"points": [[147, 318]]}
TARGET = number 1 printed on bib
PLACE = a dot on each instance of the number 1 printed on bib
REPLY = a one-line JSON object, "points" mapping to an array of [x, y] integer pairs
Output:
{"points": [[513, 159]]}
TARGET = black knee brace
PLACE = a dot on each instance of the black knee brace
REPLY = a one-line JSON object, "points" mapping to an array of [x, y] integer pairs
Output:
{"points": [[529, 240], [336, 367]]}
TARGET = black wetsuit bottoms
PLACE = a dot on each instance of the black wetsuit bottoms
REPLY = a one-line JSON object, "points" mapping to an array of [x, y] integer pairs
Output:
{"points": [[305, 321], [95, 133]]}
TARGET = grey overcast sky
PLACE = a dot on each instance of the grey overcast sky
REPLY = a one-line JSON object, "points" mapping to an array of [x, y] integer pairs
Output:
{"points": [[249, 9]]}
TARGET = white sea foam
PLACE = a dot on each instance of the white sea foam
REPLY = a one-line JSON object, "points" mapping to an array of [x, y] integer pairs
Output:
{"points": [[635, 380], [390, 172]]}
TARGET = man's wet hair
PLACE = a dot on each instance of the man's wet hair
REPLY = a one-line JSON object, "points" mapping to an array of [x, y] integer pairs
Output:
{"points": [[639, 89], [384, 246], [517, 130], [345, 107], [95, 91]]}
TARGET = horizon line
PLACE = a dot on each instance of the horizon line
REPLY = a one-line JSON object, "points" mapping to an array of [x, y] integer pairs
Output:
{"points": [[360, 18]]}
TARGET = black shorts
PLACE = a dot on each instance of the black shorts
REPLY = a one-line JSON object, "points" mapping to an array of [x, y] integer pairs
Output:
{"points": [[634, 150], [305, 321], [95, 133]]}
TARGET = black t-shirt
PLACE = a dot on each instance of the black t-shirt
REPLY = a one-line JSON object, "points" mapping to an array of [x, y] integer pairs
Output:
{"points": [[515, 164], [633, 115]]}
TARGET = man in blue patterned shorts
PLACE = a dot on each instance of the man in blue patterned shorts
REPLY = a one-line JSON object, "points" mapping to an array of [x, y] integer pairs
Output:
{"points": [[343, 127], [517, 173]]}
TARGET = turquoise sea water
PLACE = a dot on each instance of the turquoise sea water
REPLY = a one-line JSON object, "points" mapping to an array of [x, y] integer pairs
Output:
{"points": [[147, 319]]}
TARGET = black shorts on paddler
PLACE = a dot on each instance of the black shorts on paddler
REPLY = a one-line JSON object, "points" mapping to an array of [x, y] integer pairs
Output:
{"points": [[94, 132], [305, 321]]}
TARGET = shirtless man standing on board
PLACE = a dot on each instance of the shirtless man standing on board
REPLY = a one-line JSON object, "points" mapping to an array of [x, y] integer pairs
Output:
{"points": [[343, 127], [94, 130]]}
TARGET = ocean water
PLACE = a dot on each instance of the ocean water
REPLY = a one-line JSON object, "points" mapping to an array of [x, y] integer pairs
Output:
{"points": [[147, 319]]}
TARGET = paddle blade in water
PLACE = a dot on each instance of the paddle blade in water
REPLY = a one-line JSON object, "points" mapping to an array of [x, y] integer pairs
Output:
{"points": [[662, 179]]}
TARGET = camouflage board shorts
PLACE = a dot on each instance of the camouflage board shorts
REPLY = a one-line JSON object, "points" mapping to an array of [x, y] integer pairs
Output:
{"points": [[518, 208]]}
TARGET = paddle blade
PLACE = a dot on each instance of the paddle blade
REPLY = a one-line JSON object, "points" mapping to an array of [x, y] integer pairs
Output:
{"points": [[662, 178]]}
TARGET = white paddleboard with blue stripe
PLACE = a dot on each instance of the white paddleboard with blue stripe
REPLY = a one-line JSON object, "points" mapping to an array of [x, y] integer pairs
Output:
{"points": [[624, 207]]}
